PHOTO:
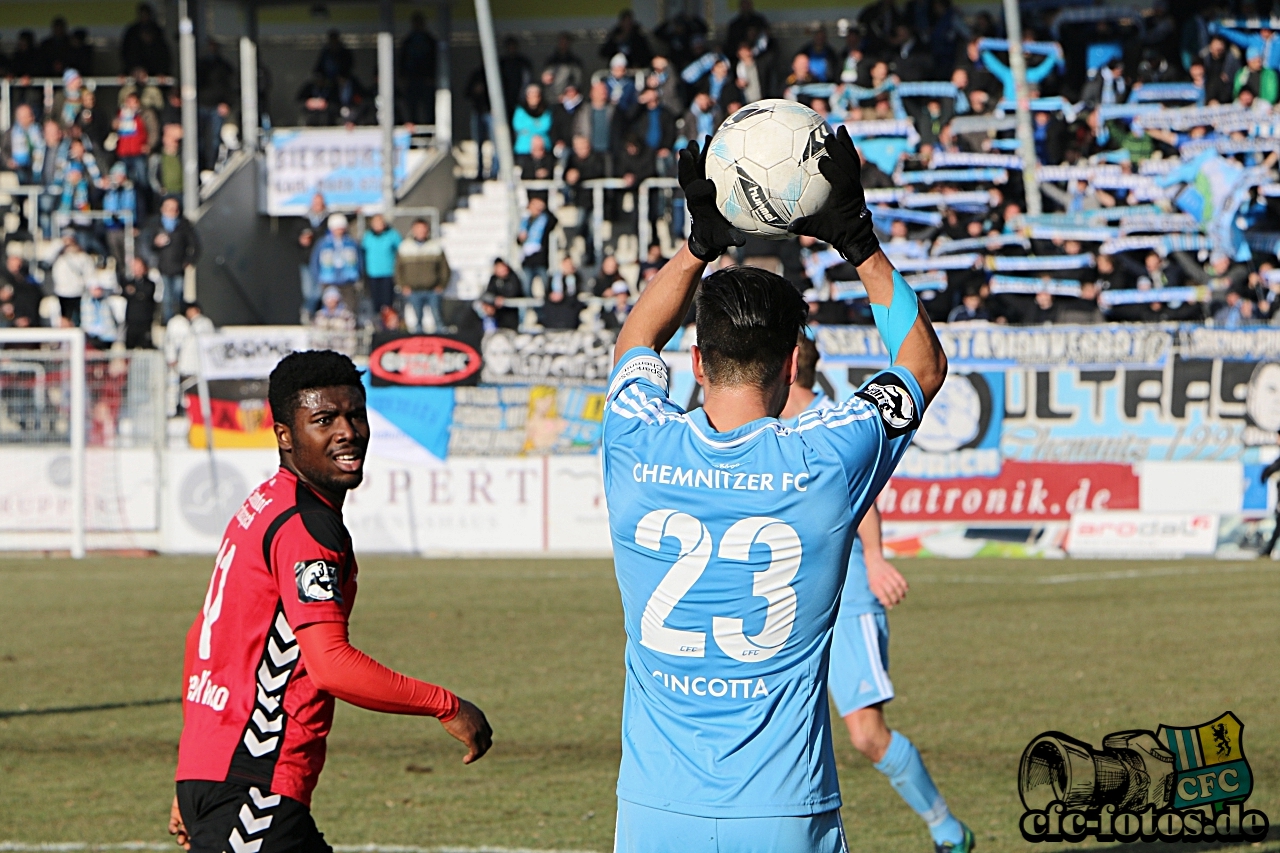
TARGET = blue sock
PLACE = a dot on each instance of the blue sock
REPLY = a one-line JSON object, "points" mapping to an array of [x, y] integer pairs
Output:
{"points": [[905, 769]]}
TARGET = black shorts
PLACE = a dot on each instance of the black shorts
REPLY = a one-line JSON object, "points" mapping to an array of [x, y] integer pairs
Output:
{"points": [[222, 817]]}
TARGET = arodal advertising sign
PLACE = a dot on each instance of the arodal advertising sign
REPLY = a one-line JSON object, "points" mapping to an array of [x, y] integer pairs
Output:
{"points": [[1142, 534], [248, 352], [433, 360]]}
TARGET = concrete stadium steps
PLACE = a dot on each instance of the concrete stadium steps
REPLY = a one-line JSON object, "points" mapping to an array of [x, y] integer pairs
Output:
{"points": [[477, 235]]}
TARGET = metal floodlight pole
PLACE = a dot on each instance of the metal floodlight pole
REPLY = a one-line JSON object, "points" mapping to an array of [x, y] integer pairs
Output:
{"points": [[190, 120], [387, 118], [249, 94], [498, 112], [1022, 96]]}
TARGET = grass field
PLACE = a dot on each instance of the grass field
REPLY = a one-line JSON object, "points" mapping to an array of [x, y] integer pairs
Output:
{"points": [[986, 654]]}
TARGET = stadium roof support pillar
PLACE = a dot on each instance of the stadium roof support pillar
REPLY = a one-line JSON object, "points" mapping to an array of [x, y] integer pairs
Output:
{"points": [[387, 101], [249, 94], [1026, 140], [444, 95], [498, 112], [190, 122]]}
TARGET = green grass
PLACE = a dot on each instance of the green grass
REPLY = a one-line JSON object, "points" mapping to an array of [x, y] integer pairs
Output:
{"points": [[985, 654]]}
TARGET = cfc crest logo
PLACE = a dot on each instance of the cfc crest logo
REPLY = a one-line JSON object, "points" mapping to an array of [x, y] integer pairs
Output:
{"points": [[1174, 784], [317, 581], [897, 409]]}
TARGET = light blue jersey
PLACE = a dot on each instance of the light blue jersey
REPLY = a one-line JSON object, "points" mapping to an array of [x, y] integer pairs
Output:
{"points": [[730, 550], [857, 597]]}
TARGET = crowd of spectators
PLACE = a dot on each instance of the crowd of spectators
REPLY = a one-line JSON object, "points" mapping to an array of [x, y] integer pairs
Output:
{"points": [[104, 245], [1130, 109]]}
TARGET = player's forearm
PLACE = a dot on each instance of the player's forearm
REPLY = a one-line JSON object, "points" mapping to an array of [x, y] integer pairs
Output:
{"points": [[345, 672], [905, 327], [869, 532], [663, 305]]}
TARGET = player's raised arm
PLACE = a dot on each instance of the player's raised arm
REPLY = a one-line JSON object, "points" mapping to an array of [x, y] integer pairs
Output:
{"points": [[665, 302], [845, 223]]}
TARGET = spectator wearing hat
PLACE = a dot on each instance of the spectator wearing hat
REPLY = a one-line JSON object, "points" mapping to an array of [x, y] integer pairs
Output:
{"points": [[335, 321], [422, 273], [336, 261], [69, 101], [531, 119], [504, 284], [621, 85], [171, 244], [1259, 80], [619, 307], [378, 244]]}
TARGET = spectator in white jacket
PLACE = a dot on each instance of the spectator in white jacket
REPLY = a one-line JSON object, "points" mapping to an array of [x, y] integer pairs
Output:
{"points": [[101, 316], [181, 346], [72, 270]]}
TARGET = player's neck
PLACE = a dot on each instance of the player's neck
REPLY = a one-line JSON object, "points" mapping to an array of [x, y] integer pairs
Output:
{"points": [[333, 497], [728, 408], [797, 401]]}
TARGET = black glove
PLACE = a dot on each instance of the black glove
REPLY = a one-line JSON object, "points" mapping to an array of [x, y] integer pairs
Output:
{"points": [[844, 220], [710, 234]]}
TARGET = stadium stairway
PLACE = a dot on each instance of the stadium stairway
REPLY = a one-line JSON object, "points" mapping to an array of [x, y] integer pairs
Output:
{"points": [[476, 235]]}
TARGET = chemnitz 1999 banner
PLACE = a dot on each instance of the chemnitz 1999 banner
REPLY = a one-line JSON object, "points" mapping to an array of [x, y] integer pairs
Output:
{"points": [[1175, 784]]}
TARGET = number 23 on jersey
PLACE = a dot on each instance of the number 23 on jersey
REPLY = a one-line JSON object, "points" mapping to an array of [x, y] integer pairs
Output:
{"points": [[772, 584]]}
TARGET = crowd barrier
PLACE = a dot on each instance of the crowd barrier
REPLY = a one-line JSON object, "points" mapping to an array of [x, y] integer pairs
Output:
{"points": [[1043, 441]]}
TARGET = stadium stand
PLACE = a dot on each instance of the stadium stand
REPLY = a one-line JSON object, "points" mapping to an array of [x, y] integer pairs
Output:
{"points": [[1155, 147]]}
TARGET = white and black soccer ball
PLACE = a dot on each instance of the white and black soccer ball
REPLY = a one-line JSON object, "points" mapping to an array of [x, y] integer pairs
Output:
{"points": [[764, 163]]}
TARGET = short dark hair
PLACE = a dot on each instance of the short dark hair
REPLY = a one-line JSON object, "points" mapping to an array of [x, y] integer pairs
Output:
{"points": [[748, 321], [302, 371], [806, 361]]}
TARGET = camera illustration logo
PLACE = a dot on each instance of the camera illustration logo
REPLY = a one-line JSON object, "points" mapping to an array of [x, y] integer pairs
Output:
{"points": [[1174, 784]]}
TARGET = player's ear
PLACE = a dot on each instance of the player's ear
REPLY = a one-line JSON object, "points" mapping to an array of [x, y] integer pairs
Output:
{"points": [[284, 436], [699, 373], [792, 366]]}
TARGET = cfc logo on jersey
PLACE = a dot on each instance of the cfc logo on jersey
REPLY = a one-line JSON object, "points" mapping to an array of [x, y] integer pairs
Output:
{"points": [[317, 581], [897, 410]]}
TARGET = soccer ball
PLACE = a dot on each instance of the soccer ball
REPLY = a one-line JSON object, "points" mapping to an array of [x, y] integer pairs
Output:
{"points": [[764, 163]]}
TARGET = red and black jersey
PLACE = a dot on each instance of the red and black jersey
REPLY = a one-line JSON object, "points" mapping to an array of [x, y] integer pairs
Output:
{"points": [[252, 714]]}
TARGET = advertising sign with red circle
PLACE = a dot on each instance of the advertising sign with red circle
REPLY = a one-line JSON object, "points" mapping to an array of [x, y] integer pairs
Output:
{"points": [[434, 360]]}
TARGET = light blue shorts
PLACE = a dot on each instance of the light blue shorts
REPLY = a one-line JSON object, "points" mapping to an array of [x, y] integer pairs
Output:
{"points": [[646, 830], [859, 673]]}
